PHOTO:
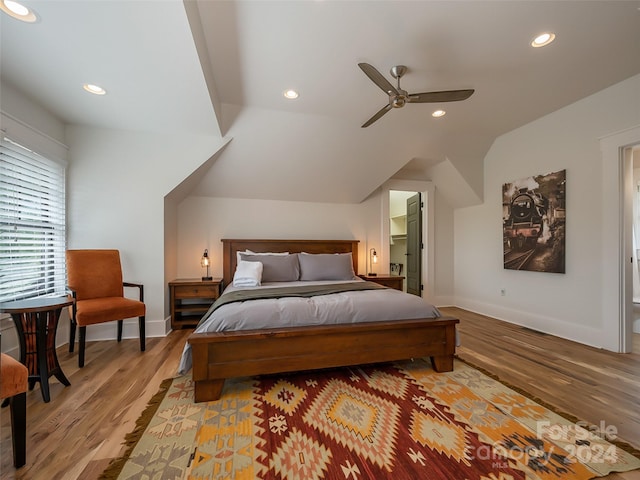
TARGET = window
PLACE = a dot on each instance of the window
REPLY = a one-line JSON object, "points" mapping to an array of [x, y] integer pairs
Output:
{"points": [[32, 224]]}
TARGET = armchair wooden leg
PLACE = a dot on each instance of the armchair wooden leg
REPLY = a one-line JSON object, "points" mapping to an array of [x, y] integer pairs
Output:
{"points": [[82, 336], [72, 335], [120, 322], [142, 333], [18, 407]]}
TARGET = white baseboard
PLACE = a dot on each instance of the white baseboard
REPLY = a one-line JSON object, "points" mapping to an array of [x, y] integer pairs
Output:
{"points": [[441, 301], [130, 329], [553, 326]]}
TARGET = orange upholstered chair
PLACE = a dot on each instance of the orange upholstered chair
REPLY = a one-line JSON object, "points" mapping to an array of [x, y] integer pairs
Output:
{"points": [[13, 387], [95, 280]]}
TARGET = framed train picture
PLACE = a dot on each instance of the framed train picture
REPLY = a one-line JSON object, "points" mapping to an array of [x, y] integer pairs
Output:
{"points": [[533, 223]]}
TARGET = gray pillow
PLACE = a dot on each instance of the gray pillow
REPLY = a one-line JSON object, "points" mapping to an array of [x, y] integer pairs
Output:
{"points": [[326, 266], [276, 268]]}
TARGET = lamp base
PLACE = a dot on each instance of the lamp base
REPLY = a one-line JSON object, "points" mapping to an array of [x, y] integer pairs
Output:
{"points": [[207, 278], [372, 274]]}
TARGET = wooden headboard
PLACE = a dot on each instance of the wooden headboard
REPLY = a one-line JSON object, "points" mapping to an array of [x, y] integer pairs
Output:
{"points": [[231, 247]]}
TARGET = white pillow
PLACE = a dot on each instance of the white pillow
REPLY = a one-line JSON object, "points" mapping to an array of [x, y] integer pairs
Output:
{"points": [[247, 274]]}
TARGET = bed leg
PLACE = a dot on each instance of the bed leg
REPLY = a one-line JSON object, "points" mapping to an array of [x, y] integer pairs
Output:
{"points": [[208, 390], [442, 363]]}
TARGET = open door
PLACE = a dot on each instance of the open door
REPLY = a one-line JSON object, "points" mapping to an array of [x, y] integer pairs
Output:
{"points": [[414, 245]]}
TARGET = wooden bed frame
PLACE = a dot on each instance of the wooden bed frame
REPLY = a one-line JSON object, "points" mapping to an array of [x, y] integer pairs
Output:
{"points": [[221, 355]]}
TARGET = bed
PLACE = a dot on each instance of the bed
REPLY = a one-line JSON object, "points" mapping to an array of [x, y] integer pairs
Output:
{"points": [[219, 355]]}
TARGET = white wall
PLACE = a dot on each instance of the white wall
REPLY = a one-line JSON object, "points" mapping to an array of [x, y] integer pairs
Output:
{"points": [[444, 286], [398, 202], [117, 183], [204, 221], [46, 130], [568, 305]]}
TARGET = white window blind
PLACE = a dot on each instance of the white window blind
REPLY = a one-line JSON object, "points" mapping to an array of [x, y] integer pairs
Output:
{"points": [[32, 224]]}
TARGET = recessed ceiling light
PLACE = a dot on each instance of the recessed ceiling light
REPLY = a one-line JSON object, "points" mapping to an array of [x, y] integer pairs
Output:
{"points": [[291, 94], [18, 11], [438, 113], [95, 89], [543, 39]]}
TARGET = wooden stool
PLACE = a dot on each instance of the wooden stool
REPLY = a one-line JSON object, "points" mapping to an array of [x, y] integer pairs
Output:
{"points": [[13, 387]]}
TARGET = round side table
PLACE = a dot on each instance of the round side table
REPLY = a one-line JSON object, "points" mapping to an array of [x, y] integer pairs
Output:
{"points": [[36, 321]]}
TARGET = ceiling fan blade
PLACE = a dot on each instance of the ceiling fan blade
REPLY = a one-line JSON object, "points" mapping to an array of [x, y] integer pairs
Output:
{"points": [[378, 79], [377, 116], [436, 97]]}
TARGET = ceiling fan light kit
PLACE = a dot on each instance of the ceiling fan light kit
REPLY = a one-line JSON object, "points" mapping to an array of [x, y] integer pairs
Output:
{"points": [[398, 97]]}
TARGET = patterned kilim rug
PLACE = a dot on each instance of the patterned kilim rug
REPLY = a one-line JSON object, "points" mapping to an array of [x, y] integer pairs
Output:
{"points": [[388, 421]]}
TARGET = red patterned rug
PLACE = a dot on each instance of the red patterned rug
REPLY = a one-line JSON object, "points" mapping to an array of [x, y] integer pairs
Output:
{"points": [[391, 421]]}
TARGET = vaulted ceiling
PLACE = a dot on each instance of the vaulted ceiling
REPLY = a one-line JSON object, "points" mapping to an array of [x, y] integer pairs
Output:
{"points": [[220, 67]]}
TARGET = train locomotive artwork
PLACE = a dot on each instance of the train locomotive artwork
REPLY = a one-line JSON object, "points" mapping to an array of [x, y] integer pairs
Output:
{"points": [[534, 223], [524, 225]]}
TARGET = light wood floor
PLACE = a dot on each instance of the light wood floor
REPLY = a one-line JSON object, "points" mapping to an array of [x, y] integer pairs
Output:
{"points": [[82, 428]]}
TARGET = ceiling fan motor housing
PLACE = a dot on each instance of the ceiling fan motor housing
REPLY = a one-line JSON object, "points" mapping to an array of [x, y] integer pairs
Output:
{"points": [[398, 101]]}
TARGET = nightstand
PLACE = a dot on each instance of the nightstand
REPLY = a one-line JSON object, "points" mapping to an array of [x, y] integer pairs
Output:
{"points": [[391, 281], [190, 298]]}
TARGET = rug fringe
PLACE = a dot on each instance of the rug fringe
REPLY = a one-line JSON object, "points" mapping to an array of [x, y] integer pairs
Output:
{"points": [[627, 447], [131, 439]]}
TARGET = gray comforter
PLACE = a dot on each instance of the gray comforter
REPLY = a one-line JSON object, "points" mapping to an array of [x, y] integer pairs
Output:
{"points": [[298, 304]]}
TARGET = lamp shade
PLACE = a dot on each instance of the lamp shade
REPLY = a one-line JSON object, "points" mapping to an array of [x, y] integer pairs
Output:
{"points": [[204, 261]]}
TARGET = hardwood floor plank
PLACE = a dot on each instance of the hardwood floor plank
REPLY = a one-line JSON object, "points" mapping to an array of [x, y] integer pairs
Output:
{"points": [[83, 427]]}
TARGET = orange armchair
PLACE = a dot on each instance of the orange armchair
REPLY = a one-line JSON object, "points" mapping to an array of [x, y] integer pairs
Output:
{"points": [[13, 388], [94, 278]]}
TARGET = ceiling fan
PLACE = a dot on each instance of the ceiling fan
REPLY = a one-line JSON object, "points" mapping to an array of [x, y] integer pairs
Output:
{"points": [[398, 97]]}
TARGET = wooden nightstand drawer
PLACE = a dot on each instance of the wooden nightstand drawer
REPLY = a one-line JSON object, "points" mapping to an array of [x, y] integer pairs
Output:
{"points": [[197, 291], [190, 299]]}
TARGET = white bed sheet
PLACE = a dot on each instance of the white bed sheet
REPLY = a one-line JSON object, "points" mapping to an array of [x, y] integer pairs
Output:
{"points": [[337, 308]]}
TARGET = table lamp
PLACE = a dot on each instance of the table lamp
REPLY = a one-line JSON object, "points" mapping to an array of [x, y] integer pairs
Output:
{"points": [[373, 260], [205, 262]]}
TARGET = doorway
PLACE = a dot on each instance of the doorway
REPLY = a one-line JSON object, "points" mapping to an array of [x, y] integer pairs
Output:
{"points": [[632, 204], [405, 238], [617, 287], [427, 192]]}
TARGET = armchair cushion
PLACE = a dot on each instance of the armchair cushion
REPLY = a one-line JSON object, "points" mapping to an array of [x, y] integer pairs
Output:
{"points": [[94, 273], [106, 309], [14, 377]]}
